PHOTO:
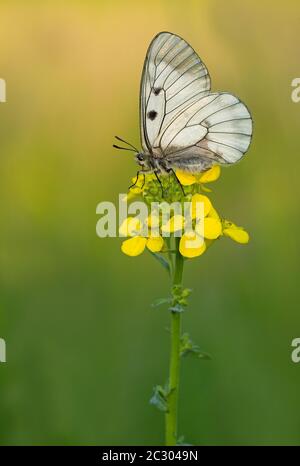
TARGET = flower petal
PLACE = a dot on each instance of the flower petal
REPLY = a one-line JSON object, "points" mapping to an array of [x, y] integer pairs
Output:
{"points": [[213, 213], [212, 228], [175, 223], [210, 175], [129, 226], [185, 178], [131, 194], [152, 221], [186, 247], [134, 246], [155, 244], [238, 234], [206, 204]]}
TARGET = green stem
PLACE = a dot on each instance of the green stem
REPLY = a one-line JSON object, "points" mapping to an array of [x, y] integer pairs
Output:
{"points": [[171, 415]]}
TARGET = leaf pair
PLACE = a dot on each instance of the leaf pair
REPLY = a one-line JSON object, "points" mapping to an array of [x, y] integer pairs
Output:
{"points": [[160, 398], [188, 347]]}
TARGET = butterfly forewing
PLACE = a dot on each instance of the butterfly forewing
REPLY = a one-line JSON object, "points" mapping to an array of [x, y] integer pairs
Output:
{"points": [[173, 77]]}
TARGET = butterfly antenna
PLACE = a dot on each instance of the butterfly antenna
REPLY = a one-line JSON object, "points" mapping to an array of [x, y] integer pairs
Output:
{"points": [[128, 143], [123, 148]]}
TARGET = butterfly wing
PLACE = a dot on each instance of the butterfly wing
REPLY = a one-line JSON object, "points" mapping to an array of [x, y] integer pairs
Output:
{"points": [[180, 119], [215, 129], [173, 77]]}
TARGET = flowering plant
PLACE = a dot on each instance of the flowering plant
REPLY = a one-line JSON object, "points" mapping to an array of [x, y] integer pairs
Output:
{"points": [[174, 239]]}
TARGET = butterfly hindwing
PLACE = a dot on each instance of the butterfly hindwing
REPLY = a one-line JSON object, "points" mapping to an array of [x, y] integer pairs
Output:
{"points": [[217, 128]]}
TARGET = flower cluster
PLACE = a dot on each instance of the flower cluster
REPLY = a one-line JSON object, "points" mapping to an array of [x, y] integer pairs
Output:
{"points": [[153, 232]]}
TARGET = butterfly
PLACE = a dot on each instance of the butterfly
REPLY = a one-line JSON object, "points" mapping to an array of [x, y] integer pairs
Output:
{"points": [[184, 126]]}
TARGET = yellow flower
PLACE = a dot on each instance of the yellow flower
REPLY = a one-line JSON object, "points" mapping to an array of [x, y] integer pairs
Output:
{"points": [[138, 186], [136, 245], [236, 233], [176, 223], [201, 227], [152, 221], [210, 175], [208, 227], [187, 179], [155, 243], [191, 245], [212, 228], [213, 213], [130, 226], [200, 198]]}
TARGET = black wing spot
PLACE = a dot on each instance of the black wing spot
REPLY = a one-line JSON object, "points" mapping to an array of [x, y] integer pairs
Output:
{"points": [[152, 114], [157, 90]]}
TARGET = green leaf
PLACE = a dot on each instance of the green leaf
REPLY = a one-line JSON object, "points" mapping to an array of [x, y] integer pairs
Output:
{"points": [[181, 442], [188, 347], [159, 398], [198, 353], [162, 261], [160, 301], [177, 308]]}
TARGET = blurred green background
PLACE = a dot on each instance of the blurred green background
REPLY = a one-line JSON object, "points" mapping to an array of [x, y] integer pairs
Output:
{"points": [[84, 348]]}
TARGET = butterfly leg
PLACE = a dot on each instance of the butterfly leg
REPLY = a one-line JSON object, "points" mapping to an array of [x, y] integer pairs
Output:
{"points": [[144, 181], [158, 179], [170, 170], [137, 179]]}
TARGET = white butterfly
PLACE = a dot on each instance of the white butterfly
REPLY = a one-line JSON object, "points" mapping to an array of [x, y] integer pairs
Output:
{"points": [[184, 125]]}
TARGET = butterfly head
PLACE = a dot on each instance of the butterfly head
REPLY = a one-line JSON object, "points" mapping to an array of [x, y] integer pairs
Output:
{"points": [[143, 160]]}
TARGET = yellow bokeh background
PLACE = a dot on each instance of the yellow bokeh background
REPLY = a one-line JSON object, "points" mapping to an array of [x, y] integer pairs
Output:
{"points": [[83, 346]]}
